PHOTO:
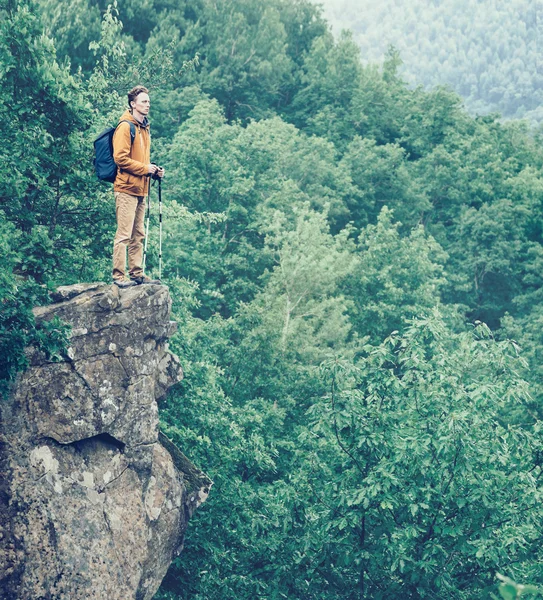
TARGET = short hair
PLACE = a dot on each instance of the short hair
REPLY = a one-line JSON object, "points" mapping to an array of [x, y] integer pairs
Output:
{"points": [[135, 92]]}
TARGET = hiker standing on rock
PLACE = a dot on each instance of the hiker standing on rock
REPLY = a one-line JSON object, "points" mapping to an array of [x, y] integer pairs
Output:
{"points": [[132, 155]]}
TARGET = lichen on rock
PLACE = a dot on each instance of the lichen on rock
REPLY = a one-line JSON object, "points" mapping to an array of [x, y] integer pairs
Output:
{"points": [[93, 505]]}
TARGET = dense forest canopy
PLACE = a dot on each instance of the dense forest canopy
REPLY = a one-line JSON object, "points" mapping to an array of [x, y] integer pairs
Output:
{"points": [[355, 266], [489, 52]]}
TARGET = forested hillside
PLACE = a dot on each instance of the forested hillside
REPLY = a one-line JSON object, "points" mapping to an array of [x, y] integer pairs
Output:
{"points": [[356, 271], [488, 52]]}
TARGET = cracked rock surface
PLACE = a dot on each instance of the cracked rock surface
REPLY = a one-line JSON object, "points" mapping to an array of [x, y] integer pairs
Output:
{"points": [[94, 503]]}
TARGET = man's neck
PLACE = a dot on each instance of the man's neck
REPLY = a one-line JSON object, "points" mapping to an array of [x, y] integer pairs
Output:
{"points": [[138, 116]]}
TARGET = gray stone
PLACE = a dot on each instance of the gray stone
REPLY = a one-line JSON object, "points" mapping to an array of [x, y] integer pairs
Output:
{"points": [[94, 503]]}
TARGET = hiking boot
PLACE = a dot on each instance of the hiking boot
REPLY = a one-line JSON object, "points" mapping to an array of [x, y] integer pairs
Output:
{"points": [[144, 279], [124, 283]]}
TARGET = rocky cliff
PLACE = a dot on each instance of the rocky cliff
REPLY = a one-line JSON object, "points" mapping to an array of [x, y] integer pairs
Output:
{"points": [[93, 502]]}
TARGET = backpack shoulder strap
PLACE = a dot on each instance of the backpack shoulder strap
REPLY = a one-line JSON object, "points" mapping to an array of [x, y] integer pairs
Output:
{"points": [[132, 129]]}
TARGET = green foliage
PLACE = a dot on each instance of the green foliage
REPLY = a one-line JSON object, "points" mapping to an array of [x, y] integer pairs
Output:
{"points": [[382, 175], [234, 443], [406, 479], [327, 104], [45, 190], [424, 486], [74, 25], [18, 296], [301, 293], [395, 278], [509, 590], [246, 174]]}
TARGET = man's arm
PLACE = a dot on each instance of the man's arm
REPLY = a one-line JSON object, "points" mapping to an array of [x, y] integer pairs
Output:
{"points": [[122, 144]]}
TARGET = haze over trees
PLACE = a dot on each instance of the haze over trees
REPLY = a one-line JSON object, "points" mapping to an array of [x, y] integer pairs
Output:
{"points": [[356, 269], [488, 52]]}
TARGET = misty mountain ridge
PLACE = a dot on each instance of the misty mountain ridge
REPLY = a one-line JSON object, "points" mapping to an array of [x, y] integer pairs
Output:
{"points": [[486, 51]]}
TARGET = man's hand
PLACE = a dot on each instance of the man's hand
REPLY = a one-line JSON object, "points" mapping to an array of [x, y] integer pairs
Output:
{"points": [[155, 171]]}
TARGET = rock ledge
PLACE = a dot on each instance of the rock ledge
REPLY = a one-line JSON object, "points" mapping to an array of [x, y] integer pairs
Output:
{"points": [[94, 503]]}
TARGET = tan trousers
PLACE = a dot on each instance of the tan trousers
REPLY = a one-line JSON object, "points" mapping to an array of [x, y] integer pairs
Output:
{"points": [[130, 212]]}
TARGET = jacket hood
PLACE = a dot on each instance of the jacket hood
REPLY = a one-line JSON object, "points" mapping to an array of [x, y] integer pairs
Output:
{"points": [[128, 116]]}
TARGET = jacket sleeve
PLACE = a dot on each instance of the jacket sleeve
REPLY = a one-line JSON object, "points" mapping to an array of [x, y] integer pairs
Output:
{"points": [[121, 151]]}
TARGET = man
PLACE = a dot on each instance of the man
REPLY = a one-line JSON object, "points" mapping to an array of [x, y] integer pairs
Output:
{"points": [[131, 187]]}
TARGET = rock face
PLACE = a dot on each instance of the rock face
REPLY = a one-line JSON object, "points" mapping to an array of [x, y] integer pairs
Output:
{"points": [[92, 504]]}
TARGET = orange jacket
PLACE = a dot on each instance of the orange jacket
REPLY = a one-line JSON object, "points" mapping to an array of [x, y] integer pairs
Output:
{"points": [[132, 159]]}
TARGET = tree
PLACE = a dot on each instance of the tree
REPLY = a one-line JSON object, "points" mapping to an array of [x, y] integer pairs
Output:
{"points": [[46, 195], [73, 26], [395, 278], [332, 75], [382, 175], [302, 309], [246, 174], [422, 486]]}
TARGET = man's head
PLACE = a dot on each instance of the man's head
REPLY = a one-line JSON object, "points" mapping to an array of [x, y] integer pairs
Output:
{"points": [[138, 100]]}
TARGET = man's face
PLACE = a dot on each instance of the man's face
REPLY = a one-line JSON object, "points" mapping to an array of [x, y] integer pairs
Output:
{"points": [[141, 104]]}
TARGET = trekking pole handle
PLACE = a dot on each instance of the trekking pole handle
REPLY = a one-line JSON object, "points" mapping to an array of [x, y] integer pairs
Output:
{"points": [[155, 175]]}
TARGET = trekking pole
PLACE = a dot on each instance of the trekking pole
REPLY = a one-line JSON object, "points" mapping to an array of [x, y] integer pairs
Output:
{"points": [[147, 227], [160, 228]]}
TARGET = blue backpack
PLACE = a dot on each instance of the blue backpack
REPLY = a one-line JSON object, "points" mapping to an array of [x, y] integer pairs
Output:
{"points": [[104, 165]]}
